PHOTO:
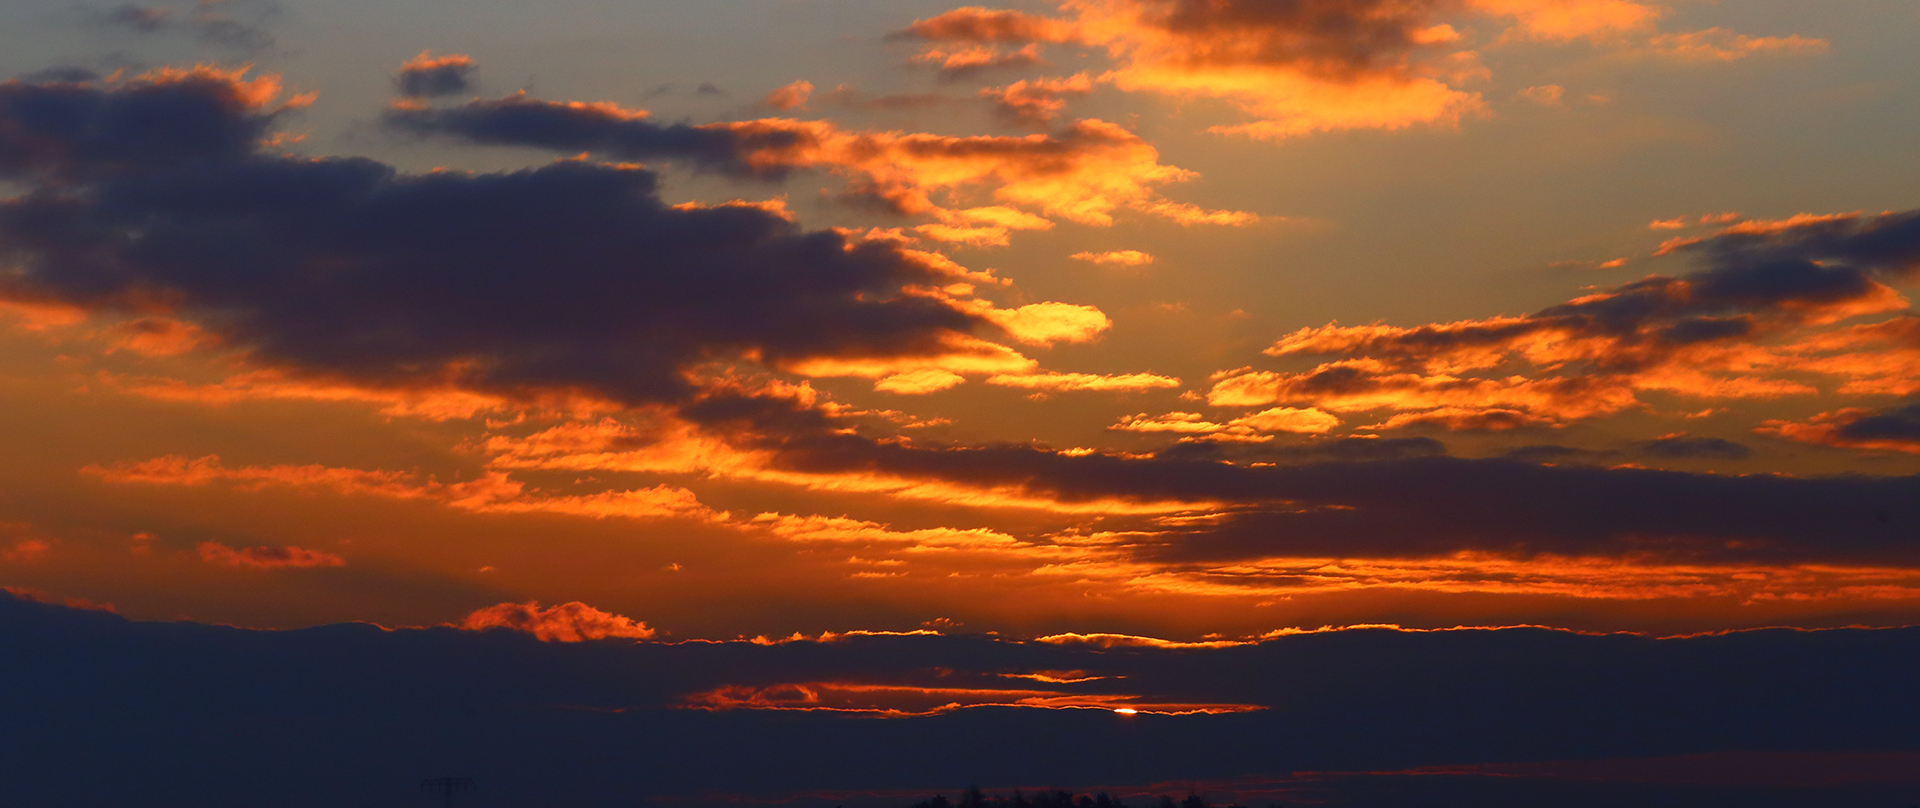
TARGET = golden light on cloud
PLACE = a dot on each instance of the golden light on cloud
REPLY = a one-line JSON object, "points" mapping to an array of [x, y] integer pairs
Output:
{"points": [[919, 382], [900, 701], [1070, 382], [1572, 19], [1130, 258], [1048, 323], [566, 622]]}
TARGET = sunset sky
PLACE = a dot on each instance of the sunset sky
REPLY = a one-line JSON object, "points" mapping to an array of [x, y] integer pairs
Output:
{"points": [[1118, 323]]}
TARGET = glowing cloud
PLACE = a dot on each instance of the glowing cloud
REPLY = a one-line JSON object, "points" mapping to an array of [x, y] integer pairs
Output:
{"points": [[429, 75], [1130, 258], [1892, 430], [567, 622], [1047, 323], [1082, 173], [918, 382], [895, 701], [1065, 382], [1037, 101], [1743, 327], [790, 97]]}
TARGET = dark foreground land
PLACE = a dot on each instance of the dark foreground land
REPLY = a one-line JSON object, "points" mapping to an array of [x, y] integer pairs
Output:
{"points": [[97, 710]]}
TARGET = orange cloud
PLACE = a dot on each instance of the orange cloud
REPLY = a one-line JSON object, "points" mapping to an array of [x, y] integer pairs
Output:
{"points": [[1186, 214], [1133, 641], [1300, 68], [1854, 428], [176, 470], [1360, 385], [1873, 358], [1571, 19], [1722, 45], [1751, 325], [1081, 174], [491, 493], [159, 336], [1037, 101], [958, 354], [265, 558], [968, 59], [429, 403], [1068, 382], [1605, 577], [28, 549], [1249, 428], [842, 529], [670, 446], [258, 92], [918, 382], [427, 61], [790, 97], [1177, 422], [567, 622], [1289, 419], [1131, 258], [890, 700], [976, 24], [1467, 419], [1047, 323], [38, 317], [1295, 70]]}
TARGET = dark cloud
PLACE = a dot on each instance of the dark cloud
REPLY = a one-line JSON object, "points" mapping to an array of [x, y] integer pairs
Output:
{"points": [[73, 130], [522, 121], [221, 29], [1893, 429], [1346, 449], [1413, 502], [1677, 447], [1334, 38], [1383, 498], [975, 24], [1704, 334], [1757, 278], [71, 75], [1340, 37], [572, 277], [1896, 424], [207, 22], [210, 716], [138, 17], [1549, 453], [427, 75]]}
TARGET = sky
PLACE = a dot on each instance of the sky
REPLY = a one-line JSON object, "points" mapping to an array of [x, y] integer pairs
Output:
{"points": [[1168, 326]]}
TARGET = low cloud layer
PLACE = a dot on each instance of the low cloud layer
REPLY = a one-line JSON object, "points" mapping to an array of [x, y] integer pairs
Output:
{"points": [[361, 703]]}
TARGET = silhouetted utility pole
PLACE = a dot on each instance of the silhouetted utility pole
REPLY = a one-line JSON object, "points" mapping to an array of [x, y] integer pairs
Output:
{"points": [[446, 786]]}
